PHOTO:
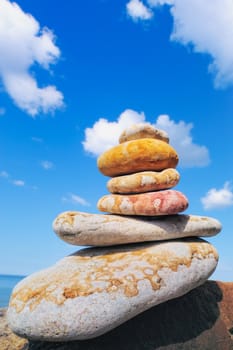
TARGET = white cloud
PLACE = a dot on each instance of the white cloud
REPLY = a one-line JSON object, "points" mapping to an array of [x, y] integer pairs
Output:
{"points": [[22, 44], [47, 164], [218, 198], [138, 11], [104, 135], [206, 27], [190, 154], [153, 3], [4, 174], [75, 199], [19, 183]]}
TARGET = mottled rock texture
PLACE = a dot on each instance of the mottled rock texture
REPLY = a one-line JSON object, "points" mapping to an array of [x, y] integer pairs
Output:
{"points": [[144, 181], [9, 340], [137, 155], [143, 130], [166, 202], [200, 320], [95, 290], [81, 228]]}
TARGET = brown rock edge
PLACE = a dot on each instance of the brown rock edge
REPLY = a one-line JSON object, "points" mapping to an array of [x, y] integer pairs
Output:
{"points": [[200, 320]]}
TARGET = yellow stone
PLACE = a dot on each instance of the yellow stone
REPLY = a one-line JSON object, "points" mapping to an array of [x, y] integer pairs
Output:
{"points": [[137, 155]]}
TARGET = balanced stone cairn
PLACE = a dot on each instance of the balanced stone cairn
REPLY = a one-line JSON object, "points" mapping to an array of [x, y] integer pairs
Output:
{"points": [[150, 253]]}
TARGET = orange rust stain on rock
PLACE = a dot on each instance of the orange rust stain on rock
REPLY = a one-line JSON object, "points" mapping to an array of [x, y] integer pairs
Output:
{"points": [[131, 289], [198, 218], [67, 217], [109, 273]]}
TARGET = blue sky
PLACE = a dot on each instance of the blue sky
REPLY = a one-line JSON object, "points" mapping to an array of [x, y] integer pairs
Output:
{"points": [[73, 75]]}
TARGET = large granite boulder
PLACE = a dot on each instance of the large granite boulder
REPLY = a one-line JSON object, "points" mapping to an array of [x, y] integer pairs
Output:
{"points": [[95, 290], [199, 320]]}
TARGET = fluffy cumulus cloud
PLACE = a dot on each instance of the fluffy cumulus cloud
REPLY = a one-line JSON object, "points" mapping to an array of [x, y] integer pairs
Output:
{"points": [[75, 199], [104, 135], [218, 198], [207, 27], [138, 11], [190, 153], [22, 44]]}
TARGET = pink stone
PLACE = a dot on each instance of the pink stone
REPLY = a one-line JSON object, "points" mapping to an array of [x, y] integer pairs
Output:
{"points": [[166, 202]]}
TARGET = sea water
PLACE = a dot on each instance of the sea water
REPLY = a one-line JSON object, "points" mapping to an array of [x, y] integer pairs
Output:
{"points": [[7, 283]]}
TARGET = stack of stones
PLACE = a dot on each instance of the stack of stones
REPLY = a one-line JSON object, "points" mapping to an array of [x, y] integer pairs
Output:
{"points": [[147, 252]]}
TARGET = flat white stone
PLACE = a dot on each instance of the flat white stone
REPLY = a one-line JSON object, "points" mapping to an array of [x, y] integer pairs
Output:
{"points": [[95, 290], [143, 130], [80, 228]]}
